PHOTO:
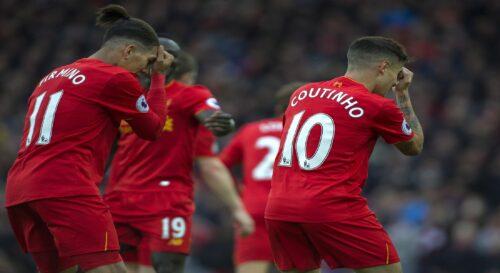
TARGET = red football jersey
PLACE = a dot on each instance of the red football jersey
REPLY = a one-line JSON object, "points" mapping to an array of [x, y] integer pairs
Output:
{"points": [[162, 167], [72, 121], [330, 129], [206, 143], [255, 146]]}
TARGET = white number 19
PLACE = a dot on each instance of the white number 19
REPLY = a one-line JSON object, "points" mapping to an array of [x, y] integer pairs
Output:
{"points": [[324, 146], [178, 226]]}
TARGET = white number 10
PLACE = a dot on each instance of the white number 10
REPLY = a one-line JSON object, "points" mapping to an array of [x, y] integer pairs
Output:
{"points": [[48, 118], [324, 146]]}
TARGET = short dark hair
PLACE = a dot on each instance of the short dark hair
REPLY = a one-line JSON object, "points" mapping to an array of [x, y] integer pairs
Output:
{"points": [[282, 97], [184, 63], [119, 24], [370, 48]]}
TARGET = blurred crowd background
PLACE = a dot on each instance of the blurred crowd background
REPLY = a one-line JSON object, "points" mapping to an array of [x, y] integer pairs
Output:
{"points": [[441, 208]]}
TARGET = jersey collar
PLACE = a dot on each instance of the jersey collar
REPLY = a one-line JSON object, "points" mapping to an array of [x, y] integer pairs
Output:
{"points": [[344, 81]]}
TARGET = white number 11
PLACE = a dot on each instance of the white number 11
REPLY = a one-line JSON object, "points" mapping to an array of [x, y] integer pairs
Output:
{"points": [[48, 118]]}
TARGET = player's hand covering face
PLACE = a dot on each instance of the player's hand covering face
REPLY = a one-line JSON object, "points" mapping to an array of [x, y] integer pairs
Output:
{"points": [[405, 78], [220, 123], [155, 64], [163, 61]]}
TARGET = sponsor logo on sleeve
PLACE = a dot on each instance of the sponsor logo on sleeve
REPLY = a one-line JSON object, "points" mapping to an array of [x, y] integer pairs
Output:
{"points": [[405, 127], [212, 102], [142, 105]]}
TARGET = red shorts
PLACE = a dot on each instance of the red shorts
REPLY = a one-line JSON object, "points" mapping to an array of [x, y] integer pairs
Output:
{"points": [[255, 247], [66, 231], [357, 243], [169, 233]]}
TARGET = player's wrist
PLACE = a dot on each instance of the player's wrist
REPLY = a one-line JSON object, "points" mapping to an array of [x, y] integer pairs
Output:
{"points": [[402, 92], [158, 77]]}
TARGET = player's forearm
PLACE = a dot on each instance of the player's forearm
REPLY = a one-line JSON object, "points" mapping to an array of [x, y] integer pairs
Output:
{"points": [[220, 181], [150, 126], [157, 98], [404, 103]]}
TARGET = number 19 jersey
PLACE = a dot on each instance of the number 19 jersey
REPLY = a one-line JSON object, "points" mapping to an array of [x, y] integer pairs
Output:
{"points": [[330, 130]]}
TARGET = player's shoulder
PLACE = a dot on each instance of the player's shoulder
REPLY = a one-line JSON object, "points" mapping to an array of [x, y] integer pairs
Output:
{"points": [[267, 125], [190, 91], [98, 66], [199, 89], [99, 71], [359, 91], [86, 72], [376, 101], [268, 121], [309, 85]]}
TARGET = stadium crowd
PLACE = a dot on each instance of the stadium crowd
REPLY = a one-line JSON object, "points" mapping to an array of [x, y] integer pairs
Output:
{"points": [[441, 208]]}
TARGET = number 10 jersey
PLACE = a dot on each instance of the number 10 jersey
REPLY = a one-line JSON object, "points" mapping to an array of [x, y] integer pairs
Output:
{"points": [[330, 130]]}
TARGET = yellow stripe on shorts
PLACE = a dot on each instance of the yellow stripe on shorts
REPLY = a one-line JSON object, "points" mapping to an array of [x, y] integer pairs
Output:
{"points": [[387, 251], [106, 241]]}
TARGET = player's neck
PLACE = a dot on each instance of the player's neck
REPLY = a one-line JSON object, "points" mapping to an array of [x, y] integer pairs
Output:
{"points": [[362, 78], [103, 55]]}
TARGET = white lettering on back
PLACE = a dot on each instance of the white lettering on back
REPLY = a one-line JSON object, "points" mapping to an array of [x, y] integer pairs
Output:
{"points": [[71, 73], [334, 95]]}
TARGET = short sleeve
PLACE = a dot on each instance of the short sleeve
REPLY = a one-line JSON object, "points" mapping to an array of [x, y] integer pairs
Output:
{"points": [[124, 97], [390, 124], [206, 143], [232, 154], [199, 98]]}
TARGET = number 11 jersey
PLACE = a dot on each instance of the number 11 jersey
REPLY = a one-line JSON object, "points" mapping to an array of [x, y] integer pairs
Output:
{"points": [[330, 130], [72, 121]]}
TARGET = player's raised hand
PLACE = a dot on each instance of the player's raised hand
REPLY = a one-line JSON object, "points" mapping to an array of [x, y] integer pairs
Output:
{"points": [[244, 223], [404, 80], [163, 61], [220, 123]]}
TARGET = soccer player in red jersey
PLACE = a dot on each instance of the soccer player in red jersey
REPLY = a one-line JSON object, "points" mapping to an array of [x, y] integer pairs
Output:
{"points": [[315, 209], [150, 192], [52, 197], [255, 146]]}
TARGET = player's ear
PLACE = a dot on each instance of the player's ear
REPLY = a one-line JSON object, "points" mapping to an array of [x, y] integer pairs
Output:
{"points": [[382, 67], [128, 50]]}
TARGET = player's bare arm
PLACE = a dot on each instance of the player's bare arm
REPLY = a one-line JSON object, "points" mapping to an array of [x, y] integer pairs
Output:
{"points": [[218, 122], [415, 145], [219, 179]]}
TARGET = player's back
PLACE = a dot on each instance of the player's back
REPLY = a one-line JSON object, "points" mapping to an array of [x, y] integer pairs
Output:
{"points": [[329, 133], [255, 146], [70, 125]]}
